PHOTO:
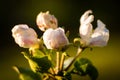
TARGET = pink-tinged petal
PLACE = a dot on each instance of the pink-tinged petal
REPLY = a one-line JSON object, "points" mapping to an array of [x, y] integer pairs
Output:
{"points": [[18, 29], [86, 18], [47, 37], [86, 28], [100, 26], [55, 38], [100, 36], [46, 20], [97, 41], [24, 36], [85, 31]]}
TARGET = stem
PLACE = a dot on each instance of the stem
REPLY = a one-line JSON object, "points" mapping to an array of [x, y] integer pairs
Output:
{"points": [[52, 77], [57, 62], [76, 56], [49, 76], [62, 61], [52, 71]]}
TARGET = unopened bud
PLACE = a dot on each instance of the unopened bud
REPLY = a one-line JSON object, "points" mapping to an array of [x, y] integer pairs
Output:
{"points": [[46, 20], [55, 38], [24, 36]]}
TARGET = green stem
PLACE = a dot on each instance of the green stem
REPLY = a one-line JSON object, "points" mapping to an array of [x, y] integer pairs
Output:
{"points": [[62, 61], [57, 62], [76, 56]]}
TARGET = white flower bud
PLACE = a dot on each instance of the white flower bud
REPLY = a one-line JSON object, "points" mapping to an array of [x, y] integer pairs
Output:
{"points": [[24, 36], [46, 20], [55, 38], [99, 37]]}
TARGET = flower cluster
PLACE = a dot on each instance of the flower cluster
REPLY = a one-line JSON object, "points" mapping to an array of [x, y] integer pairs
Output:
{"points": [[53, 40]]}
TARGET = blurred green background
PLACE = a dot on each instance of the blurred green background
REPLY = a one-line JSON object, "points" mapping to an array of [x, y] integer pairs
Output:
{"points": [[68, 12]]}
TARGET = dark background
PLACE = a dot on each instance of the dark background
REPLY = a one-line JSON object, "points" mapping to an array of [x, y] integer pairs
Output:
{"points": [[68, 12]]}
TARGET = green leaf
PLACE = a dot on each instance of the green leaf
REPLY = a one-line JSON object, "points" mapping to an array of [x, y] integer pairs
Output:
{"points": [[38, 64], [27, 74], [37, 53], [92, 72], [67, 76], [26, 55], [83, 67], [52, 56], [44, 64], [33, 65]]}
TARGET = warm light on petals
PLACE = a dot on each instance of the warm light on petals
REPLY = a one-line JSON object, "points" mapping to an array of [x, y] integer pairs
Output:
{"points": [[86, 17], [99, 37], [55, 38], [85, 31], [24, 36], [46, 20]]}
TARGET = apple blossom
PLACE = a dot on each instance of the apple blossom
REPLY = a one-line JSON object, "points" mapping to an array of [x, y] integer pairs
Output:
{"points": [[46, 20], [98, 37], [55, 38], [24, 36], [66, 59]]}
